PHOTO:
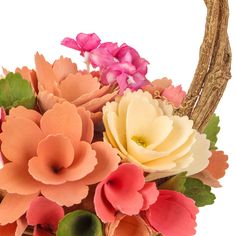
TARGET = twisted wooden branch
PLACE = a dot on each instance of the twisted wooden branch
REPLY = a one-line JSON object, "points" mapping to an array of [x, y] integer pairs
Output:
{"points": [[213, 70]]}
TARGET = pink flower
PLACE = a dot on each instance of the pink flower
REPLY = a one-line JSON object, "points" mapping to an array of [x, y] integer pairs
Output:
{"points": [[112, 48], [125, 191], [83, 42], [44, 215], [175, 95], [173, 214]]}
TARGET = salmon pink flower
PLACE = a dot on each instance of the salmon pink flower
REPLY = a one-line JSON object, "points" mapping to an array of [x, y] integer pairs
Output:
{"points": [[125, 191], [163, 88], [83, 43], [175, 95], [63, 82], [52, 154], [44, 215], [173, 214], [2, 117]]}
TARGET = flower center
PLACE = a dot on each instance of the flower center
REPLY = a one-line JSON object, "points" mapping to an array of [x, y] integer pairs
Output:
{"points": [[140, 141]]}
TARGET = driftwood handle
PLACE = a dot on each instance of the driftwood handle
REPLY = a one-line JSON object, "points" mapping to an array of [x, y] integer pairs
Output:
{"points": [[213, 69]]}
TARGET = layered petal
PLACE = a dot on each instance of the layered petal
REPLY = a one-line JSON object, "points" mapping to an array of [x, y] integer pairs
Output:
{"points": [[13, 206], [17, 142], [66, 194]]}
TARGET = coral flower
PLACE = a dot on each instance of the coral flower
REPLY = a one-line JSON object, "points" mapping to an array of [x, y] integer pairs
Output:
{"points": [[147, 134], [63, 82], [124, 191], [173, 214], [53, 154], [164, 88], [128, 225]]}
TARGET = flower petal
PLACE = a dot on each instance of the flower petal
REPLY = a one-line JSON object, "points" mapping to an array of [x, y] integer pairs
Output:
{"points": [[76, 85], [63, 67], [44, 212], [54, 155], [162, 214], [87, 127], [150, 194], [17, 142], [22, 112], [70, 43], [15, 178], [45, 74], [13, 206], [66, 194], [87, 42], [63, 119], [122, 191], [103, 208], [108, 161]]}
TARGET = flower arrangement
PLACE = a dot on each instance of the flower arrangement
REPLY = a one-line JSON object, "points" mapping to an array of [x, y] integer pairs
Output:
{"points": [[101, 151]]}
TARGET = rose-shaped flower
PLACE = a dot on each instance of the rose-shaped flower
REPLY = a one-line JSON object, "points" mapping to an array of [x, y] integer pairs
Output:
{"points": [[173, 214], [146, 133], [63, 82], [125, 191], [128, 225], [53, 154]]}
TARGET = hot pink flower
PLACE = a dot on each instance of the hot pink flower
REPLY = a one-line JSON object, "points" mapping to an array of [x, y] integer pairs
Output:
{"points": [[2, 117], [125, 191], [83, 42], [44, 215], [175, 95], [173, 214], [112, 48]]}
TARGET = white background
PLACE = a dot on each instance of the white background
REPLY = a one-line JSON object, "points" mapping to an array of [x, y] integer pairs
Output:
{"points": [[166, 32]]}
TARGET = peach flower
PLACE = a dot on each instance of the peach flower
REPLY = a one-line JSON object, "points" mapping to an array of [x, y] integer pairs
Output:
{"points": [[163, 88], [53, 155], [63, 82], [147, 134], [128, 225]]}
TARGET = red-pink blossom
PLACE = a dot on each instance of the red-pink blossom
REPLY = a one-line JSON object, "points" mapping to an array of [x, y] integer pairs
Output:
{"points": [[44, 215], [173, 214], [125, 191], [2, 117], [83, 42]]}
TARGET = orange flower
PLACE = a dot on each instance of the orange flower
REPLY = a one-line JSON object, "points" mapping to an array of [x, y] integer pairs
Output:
{"points": [[52, 154], [62, 81]]}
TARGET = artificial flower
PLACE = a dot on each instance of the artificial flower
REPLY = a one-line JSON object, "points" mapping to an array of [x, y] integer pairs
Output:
{"points": [[83, 43], [146, 133], [44, 215], [121, 66], [59, 161], [215, 170], [63, 82], [125, 191], [128, 225], [173, 214], [163, 88]]}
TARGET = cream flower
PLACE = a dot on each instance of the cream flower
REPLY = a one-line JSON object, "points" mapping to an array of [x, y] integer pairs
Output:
{"points": [[146, 133]]}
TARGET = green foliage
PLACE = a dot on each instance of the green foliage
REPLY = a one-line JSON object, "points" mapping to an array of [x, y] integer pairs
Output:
{"points": [[176, 183], [199, 192], [212, 130], [15, 91], [80, 223]]}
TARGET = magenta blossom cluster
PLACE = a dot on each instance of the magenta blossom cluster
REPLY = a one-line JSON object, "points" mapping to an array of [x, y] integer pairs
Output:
{"points": [[120, 65]]}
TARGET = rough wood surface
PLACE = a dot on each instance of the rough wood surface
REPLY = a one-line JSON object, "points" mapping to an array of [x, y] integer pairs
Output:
{"points": [[213, 70]]}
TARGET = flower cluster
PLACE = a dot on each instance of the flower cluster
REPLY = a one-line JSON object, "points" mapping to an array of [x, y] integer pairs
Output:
{"points": [[101, 152]]}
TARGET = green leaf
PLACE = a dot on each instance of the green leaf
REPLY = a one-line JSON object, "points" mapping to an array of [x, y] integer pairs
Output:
{"points": [[80, 223], [199, 192], [16, 91], [212, 130], [176, 183]]}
